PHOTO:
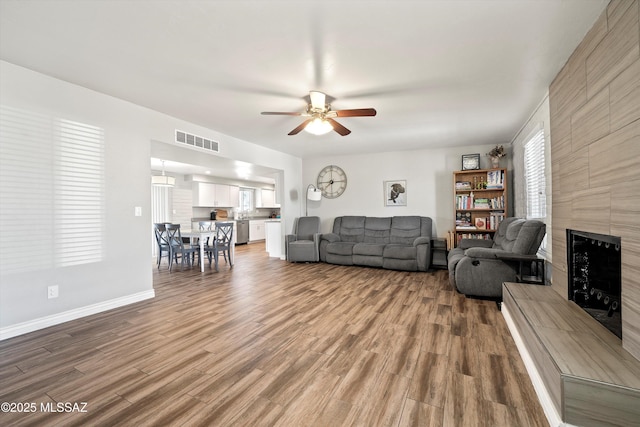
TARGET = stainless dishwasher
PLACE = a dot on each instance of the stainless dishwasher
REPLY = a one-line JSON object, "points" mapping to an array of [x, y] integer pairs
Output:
{"points": [[242, 230]]}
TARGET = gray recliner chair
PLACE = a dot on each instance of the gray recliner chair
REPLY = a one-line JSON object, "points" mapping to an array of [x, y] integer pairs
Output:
{"points": [[478, 267], [303, 244]]}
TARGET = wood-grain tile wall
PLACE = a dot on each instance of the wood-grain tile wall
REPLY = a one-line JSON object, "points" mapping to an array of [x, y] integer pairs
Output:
{"points": [[595, 150]]}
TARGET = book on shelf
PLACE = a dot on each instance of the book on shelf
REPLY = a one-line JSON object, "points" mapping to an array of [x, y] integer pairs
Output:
{"points": [[497, 202], [479, 236], [481, 223], [481, 203], [463, 185], [495, 179], [464, 201], [495, 219], [463, 219], [465, 227]]}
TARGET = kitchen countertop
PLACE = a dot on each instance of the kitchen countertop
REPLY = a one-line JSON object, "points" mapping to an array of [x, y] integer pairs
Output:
{"points": [[266, 218]]}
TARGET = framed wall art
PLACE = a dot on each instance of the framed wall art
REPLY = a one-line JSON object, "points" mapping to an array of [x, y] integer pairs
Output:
{"points": [[395, 193], [470, 162]]}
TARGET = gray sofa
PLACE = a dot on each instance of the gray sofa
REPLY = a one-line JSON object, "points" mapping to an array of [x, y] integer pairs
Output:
{"points": [[396, 243], [478, 267]]}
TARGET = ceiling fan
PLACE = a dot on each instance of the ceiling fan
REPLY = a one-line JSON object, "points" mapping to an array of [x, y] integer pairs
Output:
{"points": [[321, 116]]}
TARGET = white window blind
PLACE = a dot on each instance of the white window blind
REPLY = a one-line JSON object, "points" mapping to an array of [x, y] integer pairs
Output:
{"points": [[51, 192], [534, 168], [78, 193]]}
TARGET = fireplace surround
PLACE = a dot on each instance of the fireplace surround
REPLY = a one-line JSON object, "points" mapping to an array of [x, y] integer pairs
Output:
{"points": [[594, 268]]}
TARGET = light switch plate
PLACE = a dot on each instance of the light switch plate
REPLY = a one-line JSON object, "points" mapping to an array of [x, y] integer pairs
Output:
{"points": [[138, 211]]}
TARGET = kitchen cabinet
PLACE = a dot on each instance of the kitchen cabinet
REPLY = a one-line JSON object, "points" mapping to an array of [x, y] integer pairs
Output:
{"points": [[256, 230], [267, 199], [207, 194], [234, 196]]}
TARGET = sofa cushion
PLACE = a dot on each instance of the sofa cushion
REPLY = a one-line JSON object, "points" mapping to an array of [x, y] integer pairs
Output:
{"points": [[377, 230], [340, 248], [369, 249], [368, 261], [511, 235], [529, 238], [405, 229], [350, 228], [400, 264], [399, 251], [501, 234], [339, 259]]}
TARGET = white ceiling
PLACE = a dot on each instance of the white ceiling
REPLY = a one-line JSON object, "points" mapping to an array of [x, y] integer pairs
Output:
{"points": [[439, 73]]}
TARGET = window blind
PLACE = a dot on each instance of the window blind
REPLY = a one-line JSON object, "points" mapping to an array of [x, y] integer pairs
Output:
{"points": [[534, 167], [52, 192]]}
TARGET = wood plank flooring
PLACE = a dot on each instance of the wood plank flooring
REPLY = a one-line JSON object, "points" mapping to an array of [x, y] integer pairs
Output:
{"points": [[269, 343]]}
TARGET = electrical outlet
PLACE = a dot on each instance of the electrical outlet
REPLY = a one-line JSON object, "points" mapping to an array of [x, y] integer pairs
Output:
{"points": [[52, 292]]}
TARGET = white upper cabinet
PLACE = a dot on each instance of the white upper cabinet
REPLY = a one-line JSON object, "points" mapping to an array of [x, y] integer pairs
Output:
{"points": [[234, 196], [268, 199], [215, 195]]}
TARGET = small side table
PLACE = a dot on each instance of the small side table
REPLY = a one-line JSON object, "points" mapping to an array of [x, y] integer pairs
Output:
{"points": [[439, 252], [531, 271]]}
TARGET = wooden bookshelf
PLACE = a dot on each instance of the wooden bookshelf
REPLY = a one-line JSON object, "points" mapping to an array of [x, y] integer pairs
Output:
{"points": [[479, 202]]}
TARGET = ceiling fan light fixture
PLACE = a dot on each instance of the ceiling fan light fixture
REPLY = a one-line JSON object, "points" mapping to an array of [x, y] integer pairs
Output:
{"points": [[318, 126], [317, 99]]}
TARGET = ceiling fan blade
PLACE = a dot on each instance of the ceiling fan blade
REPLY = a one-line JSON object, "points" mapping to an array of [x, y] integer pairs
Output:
{"points": [[358, 112], [277, 113], [299, 128], [339, 128], [318, 99]]}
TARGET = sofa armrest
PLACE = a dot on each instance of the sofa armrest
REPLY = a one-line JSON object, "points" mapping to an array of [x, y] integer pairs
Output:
{"points": [[475, 243], [290, 238], [487, 253], [422, 241], [330, 237], [510, 256]]}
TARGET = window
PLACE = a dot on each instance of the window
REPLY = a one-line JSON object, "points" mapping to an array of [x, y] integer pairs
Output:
{"points": [[534, 174], [52, 185], [246, 199]]}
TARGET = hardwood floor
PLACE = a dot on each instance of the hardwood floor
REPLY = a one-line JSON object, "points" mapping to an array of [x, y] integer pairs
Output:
{"points": [[272, 343]]}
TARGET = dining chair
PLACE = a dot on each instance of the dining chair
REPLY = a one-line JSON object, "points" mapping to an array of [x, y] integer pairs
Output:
{"points": [[162, 240], [222, 243], [179, 248]]}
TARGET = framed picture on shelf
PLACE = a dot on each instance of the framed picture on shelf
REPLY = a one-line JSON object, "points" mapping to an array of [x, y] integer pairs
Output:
{"points": [[395, 193], [481, 223], [470, 162]]}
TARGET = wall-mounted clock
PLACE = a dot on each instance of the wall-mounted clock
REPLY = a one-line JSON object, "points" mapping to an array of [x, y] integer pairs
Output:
{"points": [[332, 181]]}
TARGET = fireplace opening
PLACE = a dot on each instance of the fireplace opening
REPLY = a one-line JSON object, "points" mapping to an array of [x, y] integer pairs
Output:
{"points": [[594, 264]]}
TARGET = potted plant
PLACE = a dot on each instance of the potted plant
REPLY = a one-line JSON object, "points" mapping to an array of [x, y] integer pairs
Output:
{"points": [[495, 154]]}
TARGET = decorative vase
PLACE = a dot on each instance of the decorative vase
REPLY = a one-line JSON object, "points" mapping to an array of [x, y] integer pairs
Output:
{"points": [[495, 162]]}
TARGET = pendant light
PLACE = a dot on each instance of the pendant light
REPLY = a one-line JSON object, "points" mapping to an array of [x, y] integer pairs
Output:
{"points": [[163, 180]]}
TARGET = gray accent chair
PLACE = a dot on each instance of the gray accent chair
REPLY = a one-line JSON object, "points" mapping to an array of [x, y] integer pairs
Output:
{"points": [[395, 243], [478, 267], [302, 245]]}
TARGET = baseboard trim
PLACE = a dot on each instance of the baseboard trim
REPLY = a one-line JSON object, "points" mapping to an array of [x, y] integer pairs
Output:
{"points": [[548, 407], [77, 313]]}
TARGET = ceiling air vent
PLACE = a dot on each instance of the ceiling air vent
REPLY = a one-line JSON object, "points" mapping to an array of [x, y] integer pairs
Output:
{"points": [[196, 141]]}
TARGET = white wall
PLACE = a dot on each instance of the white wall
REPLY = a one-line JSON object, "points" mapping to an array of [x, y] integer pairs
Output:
{"points": [[125, 270], [429, 176]]}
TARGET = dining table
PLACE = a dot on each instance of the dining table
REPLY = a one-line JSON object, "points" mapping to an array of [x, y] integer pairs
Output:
{"points": [[202, 235]]}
